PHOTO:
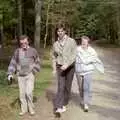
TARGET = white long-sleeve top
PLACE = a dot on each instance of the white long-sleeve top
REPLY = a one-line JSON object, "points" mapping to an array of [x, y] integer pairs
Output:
{"points": [[87, 60]]}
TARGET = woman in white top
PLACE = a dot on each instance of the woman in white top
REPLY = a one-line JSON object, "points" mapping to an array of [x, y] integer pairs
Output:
{"points": [[86, 62]]}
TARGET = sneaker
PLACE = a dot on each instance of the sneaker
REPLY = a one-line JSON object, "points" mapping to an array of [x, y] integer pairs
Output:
{"points": [[64, 108], [86, 108], [60, 110], [22, 113], [32, 113]]}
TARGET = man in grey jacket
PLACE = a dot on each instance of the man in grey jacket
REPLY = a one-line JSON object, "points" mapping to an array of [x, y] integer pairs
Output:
{"points": [[64, 51], [25, 63]]}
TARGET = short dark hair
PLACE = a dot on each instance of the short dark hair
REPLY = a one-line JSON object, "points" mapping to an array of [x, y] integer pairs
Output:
{"points": [[60, 26], [22, 37]]}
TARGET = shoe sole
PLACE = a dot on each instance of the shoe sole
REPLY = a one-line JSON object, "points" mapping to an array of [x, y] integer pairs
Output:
{"points": [[21, 114], [57, 115], [85, 110]]}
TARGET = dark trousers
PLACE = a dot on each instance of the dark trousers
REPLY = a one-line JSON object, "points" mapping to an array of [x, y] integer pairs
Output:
{"points": [[64, 86]]}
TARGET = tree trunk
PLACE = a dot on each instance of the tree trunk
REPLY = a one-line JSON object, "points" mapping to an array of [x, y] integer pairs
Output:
{"points": [[1, 29], [50, 2], [53, 34], [72, 32], [118, 32], [46, 25], [2, 34], [20, 17], [38, 4], [118, 21]]}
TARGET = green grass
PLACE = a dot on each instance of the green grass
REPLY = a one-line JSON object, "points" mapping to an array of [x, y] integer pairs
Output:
{"points": [[43, 79], [9, 103]]}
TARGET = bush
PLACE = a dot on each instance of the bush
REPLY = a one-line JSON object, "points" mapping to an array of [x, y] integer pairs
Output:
{"points": [[3, 77]]}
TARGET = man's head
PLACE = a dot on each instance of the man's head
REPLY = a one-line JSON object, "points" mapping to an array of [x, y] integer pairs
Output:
{"points": [[61, 31], [24, 42]]}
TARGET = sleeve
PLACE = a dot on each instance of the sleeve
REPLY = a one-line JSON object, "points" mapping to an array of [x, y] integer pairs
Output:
{"points": [[93, 52], [36, 67], [53, 55], [13, 63], [70, 53]]}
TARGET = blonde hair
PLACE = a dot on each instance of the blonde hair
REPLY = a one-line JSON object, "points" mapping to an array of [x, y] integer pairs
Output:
{"points": [[85, 37]]}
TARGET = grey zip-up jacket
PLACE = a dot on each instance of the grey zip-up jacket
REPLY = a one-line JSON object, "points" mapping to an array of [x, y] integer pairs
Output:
{"points": [[64, 54]]}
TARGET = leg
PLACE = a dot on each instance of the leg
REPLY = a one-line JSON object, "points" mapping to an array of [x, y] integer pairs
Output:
{"points": [[87, 88], [59, 99], [80, 86], [22, 87], [29, 92], [68, 84]]}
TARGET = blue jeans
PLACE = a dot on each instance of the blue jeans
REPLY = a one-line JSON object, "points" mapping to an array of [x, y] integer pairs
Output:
{"points": [[84, 84]]}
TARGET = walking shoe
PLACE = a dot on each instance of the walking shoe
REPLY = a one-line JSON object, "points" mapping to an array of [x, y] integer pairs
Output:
{"points": [[22, 113], [86, 108], [32, 113], [60, 110], [64, 108]]}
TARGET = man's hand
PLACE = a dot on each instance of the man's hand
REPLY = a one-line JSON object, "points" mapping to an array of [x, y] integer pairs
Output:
{"points": [[64, 67], [10, 77]]}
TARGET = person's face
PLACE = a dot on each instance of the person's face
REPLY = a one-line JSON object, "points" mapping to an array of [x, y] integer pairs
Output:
{"points": [[84, 43], [61, 33], [24, 43]]}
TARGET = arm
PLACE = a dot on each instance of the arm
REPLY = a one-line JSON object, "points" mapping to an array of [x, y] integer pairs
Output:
{"points": [[36, 67], [13, 63], [54, 55]]}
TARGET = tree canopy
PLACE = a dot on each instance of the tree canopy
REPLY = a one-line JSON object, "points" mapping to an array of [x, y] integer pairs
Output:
{"points": [[99, 19]]}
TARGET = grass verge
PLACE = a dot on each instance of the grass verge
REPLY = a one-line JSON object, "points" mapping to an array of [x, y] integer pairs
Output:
{"points": [[9, 102]]}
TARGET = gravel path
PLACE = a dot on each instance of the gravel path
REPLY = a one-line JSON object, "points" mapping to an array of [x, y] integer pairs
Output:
{"points": [[105, 97]]}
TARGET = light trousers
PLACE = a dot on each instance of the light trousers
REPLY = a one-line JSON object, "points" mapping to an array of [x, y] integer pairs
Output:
{"points": [[84, 84], [26, 86]]}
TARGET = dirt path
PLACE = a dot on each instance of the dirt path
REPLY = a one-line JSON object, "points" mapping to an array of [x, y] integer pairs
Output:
{"points": [[106, 94]]}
